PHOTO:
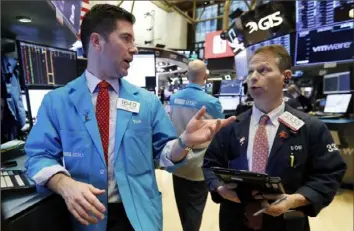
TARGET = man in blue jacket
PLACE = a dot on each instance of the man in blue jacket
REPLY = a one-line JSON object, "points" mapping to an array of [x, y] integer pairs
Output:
{"points": [[191, 191], [97, 139]]}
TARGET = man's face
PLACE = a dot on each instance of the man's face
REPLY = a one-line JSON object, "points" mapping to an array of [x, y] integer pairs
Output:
{"points": [[265, 81], [118, 50]]}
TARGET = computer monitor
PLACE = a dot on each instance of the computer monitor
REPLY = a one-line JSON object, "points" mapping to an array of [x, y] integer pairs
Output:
{"points": [[337, 83], [337, 103], [319, 14], [229, 103], [338, 46], [45, 65], [142, 65], [282, 40], [35, 99], [231, 87]]}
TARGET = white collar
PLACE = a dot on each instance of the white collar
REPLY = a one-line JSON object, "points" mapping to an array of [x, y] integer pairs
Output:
{"points": [[273, 115], [92, 82]]}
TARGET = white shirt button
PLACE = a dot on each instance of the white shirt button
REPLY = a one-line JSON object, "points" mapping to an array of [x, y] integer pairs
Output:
{"points": [[102, 171]]}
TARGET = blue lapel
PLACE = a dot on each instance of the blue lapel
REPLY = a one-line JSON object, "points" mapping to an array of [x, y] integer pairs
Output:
{"points": [[81, 99], [128, 92]]}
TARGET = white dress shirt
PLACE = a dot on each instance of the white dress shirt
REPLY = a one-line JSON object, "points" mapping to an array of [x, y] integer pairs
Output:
{"points": [[92, 81], [271, 129]]}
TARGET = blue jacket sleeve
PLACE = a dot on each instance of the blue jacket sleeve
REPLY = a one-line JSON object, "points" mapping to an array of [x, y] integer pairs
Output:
{"points": [[43, 145], [215, 110], [163, 136]]}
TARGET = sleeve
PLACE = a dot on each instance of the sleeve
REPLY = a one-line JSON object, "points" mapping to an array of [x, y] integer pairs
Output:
{"points": [[326, 170], [215, 156], [163, 138], [43, 147]]}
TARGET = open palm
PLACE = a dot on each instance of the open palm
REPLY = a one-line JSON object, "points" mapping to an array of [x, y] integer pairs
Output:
{"points": [[199, 131]]}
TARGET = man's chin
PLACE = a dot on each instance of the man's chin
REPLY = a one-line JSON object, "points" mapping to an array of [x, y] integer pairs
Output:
{"points": [[123, 73]]}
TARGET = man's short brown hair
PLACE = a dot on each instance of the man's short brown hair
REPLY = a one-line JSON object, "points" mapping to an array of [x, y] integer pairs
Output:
{"points": [[284, 59]]}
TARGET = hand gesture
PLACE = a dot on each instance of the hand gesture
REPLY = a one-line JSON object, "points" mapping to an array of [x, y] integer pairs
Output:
{"points": [[199, 131], [81, 200]]}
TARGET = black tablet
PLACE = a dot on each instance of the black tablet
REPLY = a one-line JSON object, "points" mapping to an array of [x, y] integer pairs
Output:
{"points": [[249, 181]]}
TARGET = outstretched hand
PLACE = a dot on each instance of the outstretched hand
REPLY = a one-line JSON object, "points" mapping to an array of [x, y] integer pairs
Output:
{"points": [[199, 131]]}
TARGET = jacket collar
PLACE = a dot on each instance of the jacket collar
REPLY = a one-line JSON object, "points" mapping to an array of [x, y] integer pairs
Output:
{"points": [[194, 85], [124, 85], [93, 81]]}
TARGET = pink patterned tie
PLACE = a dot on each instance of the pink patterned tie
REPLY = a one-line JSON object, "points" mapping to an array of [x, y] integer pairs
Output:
{"points": [[259, 163], [260, 147]]}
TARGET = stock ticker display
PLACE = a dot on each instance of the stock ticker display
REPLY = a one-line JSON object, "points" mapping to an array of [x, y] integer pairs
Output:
{"points": [[43, 65], [282, 40], [317, 14]]}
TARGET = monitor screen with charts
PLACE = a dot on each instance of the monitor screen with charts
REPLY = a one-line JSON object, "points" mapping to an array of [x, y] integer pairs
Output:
{"points": [[231, 87], [229, 103], [45, 65], [36, 98], [337, 83], [337, 103]]}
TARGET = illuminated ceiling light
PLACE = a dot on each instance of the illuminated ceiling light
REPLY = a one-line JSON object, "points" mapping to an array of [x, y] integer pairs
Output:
{"points": [[24, 19]]}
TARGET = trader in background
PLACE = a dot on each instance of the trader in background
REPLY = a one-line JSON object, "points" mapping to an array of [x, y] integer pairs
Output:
{"points": [[275, 139], [295, 92], [188, 181]]}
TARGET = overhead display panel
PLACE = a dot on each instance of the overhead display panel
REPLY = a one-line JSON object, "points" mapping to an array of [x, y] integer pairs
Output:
{"points": [[71, 12], [316, 14]]}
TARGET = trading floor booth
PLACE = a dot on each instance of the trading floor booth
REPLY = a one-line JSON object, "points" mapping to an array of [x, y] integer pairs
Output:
{"points": [[42, 69]]}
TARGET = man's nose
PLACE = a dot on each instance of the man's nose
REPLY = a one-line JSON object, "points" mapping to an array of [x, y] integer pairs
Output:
{"points": [[253, 77], [134, 50]]}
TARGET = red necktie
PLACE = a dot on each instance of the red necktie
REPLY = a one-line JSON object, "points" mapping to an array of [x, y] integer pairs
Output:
{"points": [[102, 115], [259, 164]]}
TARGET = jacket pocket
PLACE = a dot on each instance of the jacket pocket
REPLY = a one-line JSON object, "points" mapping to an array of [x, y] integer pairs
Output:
{"points": [[138, 151]]}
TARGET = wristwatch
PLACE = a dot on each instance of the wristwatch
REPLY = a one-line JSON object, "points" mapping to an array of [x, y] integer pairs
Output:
{"points": [[183, 145]]}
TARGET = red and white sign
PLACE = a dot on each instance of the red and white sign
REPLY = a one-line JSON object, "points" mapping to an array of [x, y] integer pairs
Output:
{"points": [[215, 47]]}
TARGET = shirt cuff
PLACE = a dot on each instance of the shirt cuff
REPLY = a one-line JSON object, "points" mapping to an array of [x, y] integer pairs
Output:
{"points": [[46, 173], [165, 157]]}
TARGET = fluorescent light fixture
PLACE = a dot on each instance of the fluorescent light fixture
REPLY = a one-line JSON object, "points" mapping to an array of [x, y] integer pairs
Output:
{"points": [[24, 19], [213, 79]]}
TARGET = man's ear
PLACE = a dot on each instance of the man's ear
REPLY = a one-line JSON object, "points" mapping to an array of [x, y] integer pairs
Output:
{"points": [[96, 41], [287, 75]]}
